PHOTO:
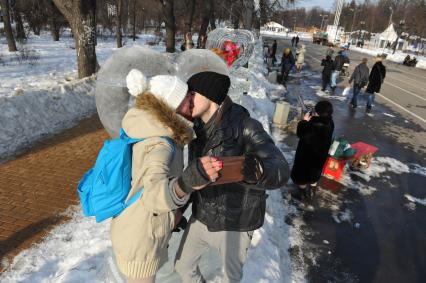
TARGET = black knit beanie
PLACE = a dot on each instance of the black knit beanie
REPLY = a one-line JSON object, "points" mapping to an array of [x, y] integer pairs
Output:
{"points": [[211, 85], [324, 108]]}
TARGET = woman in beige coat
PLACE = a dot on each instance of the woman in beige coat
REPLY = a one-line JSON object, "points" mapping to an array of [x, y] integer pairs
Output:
{"points": [[140, 234]]}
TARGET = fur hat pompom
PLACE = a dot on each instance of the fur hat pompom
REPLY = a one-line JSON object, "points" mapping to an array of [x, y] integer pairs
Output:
{"points": [[136, 82]]}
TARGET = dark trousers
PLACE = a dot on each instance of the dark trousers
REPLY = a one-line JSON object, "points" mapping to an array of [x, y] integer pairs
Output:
{"points": [[356, 91], [285, 78], [325, 81]]}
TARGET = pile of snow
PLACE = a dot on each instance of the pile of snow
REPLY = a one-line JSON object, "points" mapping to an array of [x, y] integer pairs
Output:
{"points": [[80, 250], [34, 114], [398, 57]]}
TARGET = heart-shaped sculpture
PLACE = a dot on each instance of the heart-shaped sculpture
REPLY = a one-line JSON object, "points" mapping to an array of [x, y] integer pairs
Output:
{"points": [[112, 96], [235, 46]]}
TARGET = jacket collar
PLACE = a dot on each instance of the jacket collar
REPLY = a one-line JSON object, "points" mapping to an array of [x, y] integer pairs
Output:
{"points": [[152, 117]]}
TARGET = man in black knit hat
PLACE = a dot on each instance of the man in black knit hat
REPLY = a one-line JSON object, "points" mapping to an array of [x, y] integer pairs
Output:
{"points": [[225, 216]]}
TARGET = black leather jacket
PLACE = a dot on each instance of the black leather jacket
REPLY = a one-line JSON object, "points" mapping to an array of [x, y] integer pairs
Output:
{"points": [[236, 206]]}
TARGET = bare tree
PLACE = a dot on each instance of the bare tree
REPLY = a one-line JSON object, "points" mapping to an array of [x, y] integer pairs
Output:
{"points": [[206, 14], [169, 19], [7, 27], [20, 32], [248, 10], [119, 14], [81, 15], [55, 19], [189, 16]]}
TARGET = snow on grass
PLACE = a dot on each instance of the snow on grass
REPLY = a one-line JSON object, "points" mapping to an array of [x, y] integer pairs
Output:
{"points": [[398, 57]]}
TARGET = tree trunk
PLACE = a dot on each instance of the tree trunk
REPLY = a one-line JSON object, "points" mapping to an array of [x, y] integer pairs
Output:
{"points": [[189, 17], [7, 27], [20, 32], [235, 14], [248, 14], [205, 20], [263, 6], [81, 14], [169, 16], [53, 20], [212, 17], [119, 33], [134, 20]]}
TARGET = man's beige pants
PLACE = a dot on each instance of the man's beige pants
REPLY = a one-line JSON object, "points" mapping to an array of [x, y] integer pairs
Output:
{"points": [[196, 240]]}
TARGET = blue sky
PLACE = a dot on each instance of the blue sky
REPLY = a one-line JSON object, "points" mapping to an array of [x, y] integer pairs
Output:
{"points": [[325, 4]]}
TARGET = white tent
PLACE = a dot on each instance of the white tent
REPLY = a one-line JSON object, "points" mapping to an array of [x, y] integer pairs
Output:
{"points": [[275, 27], [386, 38]]}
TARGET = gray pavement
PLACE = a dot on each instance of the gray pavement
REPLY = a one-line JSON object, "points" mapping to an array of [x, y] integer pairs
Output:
{"points": [[388, 244]]}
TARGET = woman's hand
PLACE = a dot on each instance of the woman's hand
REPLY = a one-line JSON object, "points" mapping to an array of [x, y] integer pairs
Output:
{"points": [[199, 174], [307, 117]]}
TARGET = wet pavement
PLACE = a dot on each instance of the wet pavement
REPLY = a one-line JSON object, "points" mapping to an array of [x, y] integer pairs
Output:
{"points": [[365, 230]]}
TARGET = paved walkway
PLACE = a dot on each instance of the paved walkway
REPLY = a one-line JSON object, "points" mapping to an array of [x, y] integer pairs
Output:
{"points": [[36, 187]]}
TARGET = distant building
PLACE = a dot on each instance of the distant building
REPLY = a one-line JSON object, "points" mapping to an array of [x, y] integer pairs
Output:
{"points": [[274, 27]]}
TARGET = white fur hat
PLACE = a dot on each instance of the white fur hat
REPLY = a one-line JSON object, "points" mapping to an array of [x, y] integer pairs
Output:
{"points": [[170, 89]]}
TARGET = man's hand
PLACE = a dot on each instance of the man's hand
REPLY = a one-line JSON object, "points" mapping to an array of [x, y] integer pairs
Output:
{"points": [[252, 170]]}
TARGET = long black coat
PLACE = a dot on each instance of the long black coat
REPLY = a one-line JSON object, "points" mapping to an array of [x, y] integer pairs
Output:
{"points": [[315, 138], [377, 75]]}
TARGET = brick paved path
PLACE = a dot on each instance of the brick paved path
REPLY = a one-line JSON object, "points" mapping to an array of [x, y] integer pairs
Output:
{"points": [[40, 184]]}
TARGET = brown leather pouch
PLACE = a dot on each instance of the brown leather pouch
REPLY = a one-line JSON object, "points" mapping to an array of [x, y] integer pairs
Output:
{"points": [[231, 171]]}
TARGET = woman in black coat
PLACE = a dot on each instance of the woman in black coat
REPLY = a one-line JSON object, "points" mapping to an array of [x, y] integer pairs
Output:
{"points": [[377, 75], [315, 134]]}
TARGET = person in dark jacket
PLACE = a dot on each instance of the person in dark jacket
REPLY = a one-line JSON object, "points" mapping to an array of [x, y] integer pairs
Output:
{"points": [[297, 40], [360, 79], [315, 134], [293, 39], [225, 216], [339, 60], [274, 51], [326, 71], [377, 75], [287, 64]]}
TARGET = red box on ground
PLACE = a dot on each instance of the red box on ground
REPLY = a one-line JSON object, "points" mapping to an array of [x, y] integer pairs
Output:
{"points": [[333, 168]]}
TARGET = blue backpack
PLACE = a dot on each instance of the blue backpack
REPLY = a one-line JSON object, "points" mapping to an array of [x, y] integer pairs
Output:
{"points": [[104, 188]]}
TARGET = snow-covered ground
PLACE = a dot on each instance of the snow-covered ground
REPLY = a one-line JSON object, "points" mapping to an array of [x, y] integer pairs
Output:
{"points": [[398, 57], [303, 36], [80, 250]]}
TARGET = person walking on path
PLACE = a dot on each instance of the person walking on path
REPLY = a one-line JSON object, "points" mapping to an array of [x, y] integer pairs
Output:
{"points": [[274, 51], [360, 79], [293, 39], [375, 81], [225, 216], [330, 51], [300, 55], [140, 234], [188, 43], [326, 71], [287, 64], [315, 134], [297, 40], [339, 60]]}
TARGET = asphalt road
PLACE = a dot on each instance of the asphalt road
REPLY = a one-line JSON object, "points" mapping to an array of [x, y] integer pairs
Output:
{"points": [[404, 88], [390, 244]]}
